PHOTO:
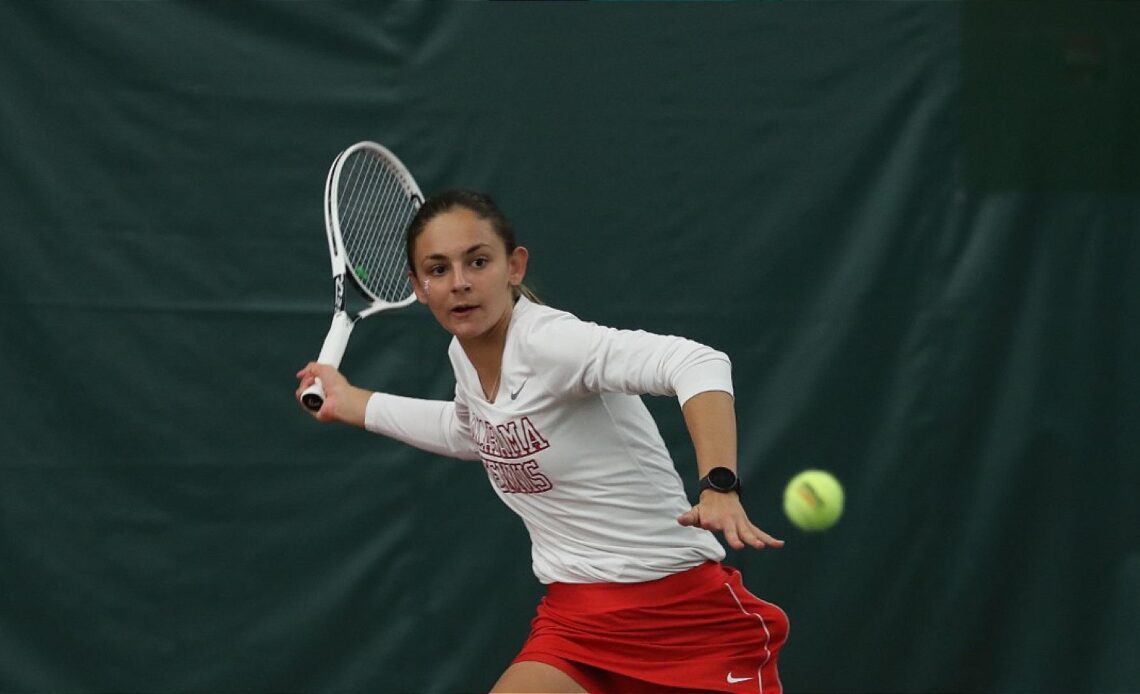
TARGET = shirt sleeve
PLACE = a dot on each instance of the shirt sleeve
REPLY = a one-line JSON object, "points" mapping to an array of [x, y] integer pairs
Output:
{"points": [[437, 426], [595, 359]]}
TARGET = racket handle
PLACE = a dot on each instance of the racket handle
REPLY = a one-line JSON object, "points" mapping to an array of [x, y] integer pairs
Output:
{"points": [[332, 351], [314, 396]]}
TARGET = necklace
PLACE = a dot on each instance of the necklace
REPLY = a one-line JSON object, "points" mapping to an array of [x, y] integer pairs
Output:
{"points": [[495, 388]]}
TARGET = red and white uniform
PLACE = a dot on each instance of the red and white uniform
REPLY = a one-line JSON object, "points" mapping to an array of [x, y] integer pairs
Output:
{"points": [[636, 602], [570, 447]]}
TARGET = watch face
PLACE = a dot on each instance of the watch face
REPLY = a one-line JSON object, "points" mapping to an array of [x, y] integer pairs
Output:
{"points": [[722, 478]]}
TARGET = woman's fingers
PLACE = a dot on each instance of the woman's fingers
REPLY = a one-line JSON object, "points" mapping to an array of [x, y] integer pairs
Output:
{"points": [[738, 531]]}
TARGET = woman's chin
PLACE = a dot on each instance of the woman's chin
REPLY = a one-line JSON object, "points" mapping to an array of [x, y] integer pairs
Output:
{"points": [[464, 329]]}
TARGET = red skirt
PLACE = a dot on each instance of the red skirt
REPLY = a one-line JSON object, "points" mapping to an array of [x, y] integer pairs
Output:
{"points": [[699, 630]]}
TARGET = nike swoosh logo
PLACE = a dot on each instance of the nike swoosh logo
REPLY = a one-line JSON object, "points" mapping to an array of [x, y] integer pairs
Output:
{"points": [[515, 393], [735, 680]]}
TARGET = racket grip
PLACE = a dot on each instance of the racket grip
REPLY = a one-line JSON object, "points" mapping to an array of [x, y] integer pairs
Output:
{"points": [[332, 351]]}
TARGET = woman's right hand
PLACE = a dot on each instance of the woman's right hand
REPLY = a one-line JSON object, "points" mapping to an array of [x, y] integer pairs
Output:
{"points": [[344, 402]]}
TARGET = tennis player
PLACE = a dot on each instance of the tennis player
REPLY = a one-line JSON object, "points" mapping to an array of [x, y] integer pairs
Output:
{"points": [[636, 597]]}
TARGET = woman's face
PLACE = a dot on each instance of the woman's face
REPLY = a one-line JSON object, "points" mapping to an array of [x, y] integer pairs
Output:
{"points": [[463, 273]]}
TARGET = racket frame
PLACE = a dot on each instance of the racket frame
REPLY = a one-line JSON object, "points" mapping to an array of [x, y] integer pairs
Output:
{"points": [[336, 340]]}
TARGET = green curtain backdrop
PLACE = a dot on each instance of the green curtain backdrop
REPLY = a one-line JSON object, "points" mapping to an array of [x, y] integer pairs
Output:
{"points": [[913, 226]]}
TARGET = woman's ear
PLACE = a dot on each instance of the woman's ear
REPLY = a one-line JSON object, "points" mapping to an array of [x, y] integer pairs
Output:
{"points": [[516, 265]]}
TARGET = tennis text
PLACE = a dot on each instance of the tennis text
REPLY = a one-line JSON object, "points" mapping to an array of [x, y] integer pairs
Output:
{"points": [[517, 478]]}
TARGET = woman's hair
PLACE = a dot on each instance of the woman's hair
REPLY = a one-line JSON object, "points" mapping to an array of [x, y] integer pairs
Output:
{"points": [[484, 208]]}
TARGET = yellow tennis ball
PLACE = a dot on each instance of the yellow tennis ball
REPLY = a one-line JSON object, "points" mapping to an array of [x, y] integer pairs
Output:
{"points": [[813, 500]]}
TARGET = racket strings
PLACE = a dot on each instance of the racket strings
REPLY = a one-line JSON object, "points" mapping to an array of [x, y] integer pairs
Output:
{"points": [[371, 201], [375, 208]]}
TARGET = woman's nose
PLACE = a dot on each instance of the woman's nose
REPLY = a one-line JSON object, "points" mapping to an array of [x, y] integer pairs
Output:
{"points": [[461, 283]]}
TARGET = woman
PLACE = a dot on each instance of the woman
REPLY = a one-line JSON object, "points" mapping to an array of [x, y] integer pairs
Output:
{"points": [[637, 599]]}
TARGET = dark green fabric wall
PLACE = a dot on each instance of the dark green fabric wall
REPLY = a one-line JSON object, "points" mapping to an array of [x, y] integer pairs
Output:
{"points": [[913, 226]]}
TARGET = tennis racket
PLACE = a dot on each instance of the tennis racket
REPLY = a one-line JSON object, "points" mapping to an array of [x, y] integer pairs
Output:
{"points": [[370, 197]]}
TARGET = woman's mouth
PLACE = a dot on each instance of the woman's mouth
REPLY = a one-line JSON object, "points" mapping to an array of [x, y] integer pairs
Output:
{"points": [[462, 310]]}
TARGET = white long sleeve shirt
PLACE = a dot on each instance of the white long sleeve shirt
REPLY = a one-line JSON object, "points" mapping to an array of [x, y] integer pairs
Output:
{"points": [[570, 447]]}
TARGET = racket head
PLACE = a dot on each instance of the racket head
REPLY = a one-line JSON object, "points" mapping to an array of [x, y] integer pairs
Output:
{"points": [[370, 199]]}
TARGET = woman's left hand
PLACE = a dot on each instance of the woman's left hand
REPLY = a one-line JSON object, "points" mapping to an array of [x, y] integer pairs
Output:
{"points": [[722, 512]]}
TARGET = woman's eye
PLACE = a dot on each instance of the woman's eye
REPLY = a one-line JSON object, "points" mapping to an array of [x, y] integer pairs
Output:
{"points": [[479, 262], [437, 270]]}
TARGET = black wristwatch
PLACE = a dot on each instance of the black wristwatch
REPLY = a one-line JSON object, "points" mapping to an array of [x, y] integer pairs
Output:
{"points": [[720, 479]]}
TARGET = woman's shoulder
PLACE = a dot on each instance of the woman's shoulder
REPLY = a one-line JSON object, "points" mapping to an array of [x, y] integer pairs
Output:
{"points": [[547, 337], [540, 325]]}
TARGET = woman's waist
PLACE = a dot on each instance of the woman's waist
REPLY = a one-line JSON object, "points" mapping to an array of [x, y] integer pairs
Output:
{"points": [[605, 597]]}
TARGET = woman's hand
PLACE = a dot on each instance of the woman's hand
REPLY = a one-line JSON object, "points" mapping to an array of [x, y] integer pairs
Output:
{"points": [[722, 512], [344, 402]]}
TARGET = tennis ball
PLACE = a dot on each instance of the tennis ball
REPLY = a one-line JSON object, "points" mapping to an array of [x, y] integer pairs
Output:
{"points": [[813, 500]]}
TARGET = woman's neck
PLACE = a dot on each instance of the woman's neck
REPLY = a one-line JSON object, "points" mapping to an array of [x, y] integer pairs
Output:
{"points": [[485, 351]]}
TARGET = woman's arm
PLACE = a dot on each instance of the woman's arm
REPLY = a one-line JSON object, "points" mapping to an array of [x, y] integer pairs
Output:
{"points": [[437, 426], [598, 359], [589, 358], [711, 419]]}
